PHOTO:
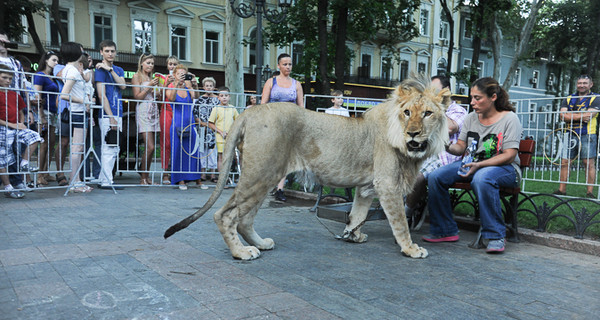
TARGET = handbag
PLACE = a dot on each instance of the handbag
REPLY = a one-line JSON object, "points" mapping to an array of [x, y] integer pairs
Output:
{"points": [[111, 137], [65, 116], [183, 132]]}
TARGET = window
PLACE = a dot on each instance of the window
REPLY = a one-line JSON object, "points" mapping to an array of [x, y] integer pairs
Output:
{"points": [[467, 64], [422, 67], [211, 47], [178, 42], [548, 114], [517, 77], [424, 22], [535, 80], [386, 68], [102, 29], [441, 66], [468, 29], [142, 36], [252, 48], [444, 27], [532, 107], [297, 53], [55, 39], [403, 70], [365, 66]]}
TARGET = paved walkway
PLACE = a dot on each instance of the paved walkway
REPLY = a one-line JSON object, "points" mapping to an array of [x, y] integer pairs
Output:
{"points": [[102, 256]]}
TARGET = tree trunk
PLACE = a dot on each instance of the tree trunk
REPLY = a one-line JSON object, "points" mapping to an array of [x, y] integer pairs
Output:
{"points": [[234, 70], [523, 42], [496, 46], [340, 46], [55, 11], [323, 70], [477, 42], [450, 19], [33, 32]]}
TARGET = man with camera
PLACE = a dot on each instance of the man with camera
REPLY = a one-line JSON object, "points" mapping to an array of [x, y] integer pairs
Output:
{"points": [[110, 80]]}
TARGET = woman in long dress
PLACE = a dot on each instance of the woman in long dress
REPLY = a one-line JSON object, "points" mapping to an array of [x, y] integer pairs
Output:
{"points": [[185, 150], [146, 115]]}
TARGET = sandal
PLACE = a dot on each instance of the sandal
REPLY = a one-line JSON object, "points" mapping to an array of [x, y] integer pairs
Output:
{"points": [[146, 182], [49, 178], [62, 180], [42, 181]]}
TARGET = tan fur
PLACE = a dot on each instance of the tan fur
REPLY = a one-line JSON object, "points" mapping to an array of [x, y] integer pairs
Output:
{"points": [[374, 153]]}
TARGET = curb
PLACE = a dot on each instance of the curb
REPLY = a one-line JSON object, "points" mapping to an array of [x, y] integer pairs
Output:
{"points": [[552, 240]]}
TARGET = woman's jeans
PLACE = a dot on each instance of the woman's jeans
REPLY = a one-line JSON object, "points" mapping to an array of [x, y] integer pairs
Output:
{"points": [[485, 183]]}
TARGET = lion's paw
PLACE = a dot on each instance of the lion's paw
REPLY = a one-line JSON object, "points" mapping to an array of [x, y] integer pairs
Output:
{"points": [[267, 244], [414, 251], [246, 253], [356, 236]]}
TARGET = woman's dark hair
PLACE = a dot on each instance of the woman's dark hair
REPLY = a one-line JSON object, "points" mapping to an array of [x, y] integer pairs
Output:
{"points": [[42, 64], [490, 86], [71, 51], [281, 56]]}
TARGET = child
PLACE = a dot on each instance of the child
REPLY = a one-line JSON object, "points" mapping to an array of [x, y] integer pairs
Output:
{"points": [[12, 125], [337, 108], [220, 120]]}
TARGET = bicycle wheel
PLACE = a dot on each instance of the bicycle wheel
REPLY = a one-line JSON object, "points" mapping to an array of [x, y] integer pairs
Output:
{"points": [[556, 141]]}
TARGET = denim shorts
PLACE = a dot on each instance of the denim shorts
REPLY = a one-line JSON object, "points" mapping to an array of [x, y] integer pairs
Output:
{"points": [[587, 142]]}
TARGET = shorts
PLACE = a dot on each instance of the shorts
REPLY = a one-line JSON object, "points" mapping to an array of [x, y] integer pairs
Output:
{"points": [[588, 143], [430, 165], [50, 117], [220, 146], [7, 137], [63, 129]]}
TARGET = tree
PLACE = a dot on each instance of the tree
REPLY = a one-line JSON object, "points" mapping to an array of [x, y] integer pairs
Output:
{"points": [[523, 42], [10, 18], [566, 31], [234, 75], [450, 19], [383, 22]]}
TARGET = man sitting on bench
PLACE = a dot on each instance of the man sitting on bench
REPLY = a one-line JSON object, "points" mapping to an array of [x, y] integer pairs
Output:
{"points": [[497, 130]]}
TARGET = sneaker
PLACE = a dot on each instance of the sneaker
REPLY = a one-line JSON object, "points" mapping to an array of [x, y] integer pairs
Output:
{"points": [[203, 187], [22, 186], [559, 193], [280, 196], [14, 194], [183, 187], [29, 168], [495, 246], [434, 238]]}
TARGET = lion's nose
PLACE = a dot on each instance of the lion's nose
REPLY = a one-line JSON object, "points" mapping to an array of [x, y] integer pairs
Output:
{"points": [[413, 134]]}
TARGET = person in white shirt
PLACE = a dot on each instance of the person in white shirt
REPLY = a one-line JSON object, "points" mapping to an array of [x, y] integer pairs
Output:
{"points": [[337, 108]]}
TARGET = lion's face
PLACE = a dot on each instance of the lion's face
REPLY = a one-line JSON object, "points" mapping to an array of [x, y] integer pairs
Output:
{"points": [[418, 121]]}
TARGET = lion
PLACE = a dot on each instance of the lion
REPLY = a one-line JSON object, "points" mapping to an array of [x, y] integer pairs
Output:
{"points": [[379, 153]]}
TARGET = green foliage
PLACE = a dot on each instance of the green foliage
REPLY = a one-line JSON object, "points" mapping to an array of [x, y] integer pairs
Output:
{"points": [[383, 22], [11, 14]]}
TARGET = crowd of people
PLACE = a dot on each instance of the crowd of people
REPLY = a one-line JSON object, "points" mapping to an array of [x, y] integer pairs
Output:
{"points": [[54, 109], [71, 104]]}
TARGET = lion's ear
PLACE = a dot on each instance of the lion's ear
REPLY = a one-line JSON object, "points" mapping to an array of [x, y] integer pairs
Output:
{"points": [[445, 96]]}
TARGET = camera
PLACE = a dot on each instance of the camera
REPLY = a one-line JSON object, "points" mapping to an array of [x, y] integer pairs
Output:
{"points": [[188, 77]]}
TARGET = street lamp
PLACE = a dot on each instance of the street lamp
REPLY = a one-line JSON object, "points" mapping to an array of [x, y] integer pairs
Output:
{"points": [[246, 9]]}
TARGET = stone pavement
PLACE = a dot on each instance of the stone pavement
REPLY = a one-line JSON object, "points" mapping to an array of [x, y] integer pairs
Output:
{"points": [[102, 256]]}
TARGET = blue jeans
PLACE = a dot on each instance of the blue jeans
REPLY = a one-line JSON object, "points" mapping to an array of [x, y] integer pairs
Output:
{"points": [[485, 184]]}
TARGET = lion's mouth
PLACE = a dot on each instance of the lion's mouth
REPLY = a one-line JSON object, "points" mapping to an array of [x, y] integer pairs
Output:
{"points": [[415, 146]]}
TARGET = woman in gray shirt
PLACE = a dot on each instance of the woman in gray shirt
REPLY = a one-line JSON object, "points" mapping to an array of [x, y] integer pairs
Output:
{"points": [[497, 130]]}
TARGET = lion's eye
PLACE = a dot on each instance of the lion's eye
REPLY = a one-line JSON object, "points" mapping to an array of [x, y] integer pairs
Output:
{"points": [[407, 113], [428, 113]]}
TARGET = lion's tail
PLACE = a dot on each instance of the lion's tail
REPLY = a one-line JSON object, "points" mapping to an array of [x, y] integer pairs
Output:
{"points": [[233, 139]]}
